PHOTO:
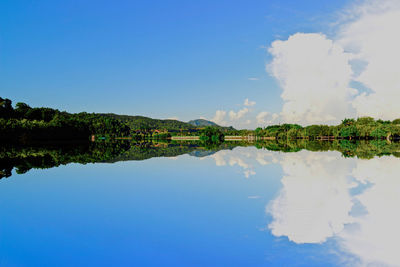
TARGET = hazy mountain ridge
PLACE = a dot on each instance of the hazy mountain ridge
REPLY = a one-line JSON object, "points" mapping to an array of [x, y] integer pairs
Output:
{"points": [[140, 122], [202, 123]]}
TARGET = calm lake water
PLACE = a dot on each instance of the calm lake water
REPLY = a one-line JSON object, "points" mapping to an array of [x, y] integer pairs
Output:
{"points": [[235, 207]]}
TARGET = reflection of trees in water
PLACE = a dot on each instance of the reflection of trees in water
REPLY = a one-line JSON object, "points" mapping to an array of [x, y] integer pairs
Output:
{"points": [[348, 148], [24, 158]]}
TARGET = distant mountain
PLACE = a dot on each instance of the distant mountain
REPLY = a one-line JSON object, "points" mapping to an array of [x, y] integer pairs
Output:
{"points": [[202, 123], [140, 122]]}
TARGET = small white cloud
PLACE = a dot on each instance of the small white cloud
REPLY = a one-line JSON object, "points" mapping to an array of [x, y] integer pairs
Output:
{"points": [[219, 117], [248, 173], [253, 79], [219, 158], [237, 115], [262, 117], [249, 103]]}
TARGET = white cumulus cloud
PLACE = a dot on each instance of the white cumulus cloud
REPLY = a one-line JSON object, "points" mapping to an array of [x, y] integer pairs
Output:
{"points": [[373, 36], [262, 117], [219, 117], [237, 115], [314, 74]]}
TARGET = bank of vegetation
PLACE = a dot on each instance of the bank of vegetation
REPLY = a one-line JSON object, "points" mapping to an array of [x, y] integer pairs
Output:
{"points": [[25, 124], [364, 128]]}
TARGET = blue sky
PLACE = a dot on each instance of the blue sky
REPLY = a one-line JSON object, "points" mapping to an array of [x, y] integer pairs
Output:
{"points": [[161, 59]]}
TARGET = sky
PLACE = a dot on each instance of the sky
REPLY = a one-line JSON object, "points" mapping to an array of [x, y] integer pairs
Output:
{"points": [[240, 63]]}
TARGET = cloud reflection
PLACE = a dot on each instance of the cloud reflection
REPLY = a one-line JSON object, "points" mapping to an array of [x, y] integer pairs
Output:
{"points": [[324, 196], [245, 158], [315, 202]]}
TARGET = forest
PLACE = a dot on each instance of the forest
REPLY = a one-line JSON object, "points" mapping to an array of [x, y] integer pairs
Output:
{"points": [[363, 128], [24, 124]]}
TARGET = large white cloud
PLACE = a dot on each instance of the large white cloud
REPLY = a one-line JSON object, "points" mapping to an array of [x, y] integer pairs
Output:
{"points": [[373, 37], [314, 74]]}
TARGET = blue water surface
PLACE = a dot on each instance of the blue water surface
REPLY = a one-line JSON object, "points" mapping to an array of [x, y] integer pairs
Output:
{"points": [[183, 211]]}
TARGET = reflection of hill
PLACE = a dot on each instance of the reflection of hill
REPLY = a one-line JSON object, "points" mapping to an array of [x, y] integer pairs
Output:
{"points": [[144, 151], [200, 154], [148, 150]]}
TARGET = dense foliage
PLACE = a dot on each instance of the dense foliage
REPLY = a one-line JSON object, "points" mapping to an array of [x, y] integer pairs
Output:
{"points": [[26, 124], [211, 135], [364, 128]]}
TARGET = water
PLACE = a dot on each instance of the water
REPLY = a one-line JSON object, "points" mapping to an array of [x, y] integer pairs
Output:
{"points": [[240, 206]]}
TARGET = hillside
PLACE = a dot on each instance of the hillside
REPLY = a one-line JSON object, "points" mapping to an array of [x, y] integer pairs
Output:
{"points": [[202, 123], [141, 122]]}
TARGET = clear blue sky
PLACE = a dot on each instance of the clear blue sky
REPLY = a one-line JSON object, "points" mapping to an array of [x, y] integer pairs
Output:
{"points": [[162, 59]]}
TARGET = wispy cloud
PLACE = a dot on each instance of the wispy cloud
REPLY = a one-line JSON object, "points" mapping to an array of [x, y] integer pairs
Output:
{"points": [[253, 79]]}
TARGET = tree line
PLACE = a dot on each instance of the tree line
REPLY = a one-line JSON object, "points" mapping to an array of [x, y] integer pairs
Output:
{"points": [[363, 128], [23, 123]]}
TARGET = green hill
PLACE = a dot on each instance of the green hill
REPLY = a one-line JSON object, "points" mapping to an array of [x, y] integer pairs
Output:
{"points": [[202, 123], [141, 122]]}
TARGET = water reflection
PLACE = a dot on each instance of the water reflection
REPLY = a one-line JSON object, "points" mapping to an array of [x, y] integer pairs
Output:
{"points": [[24, 158], [348, 194], [327, 196], [315, 202]]}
